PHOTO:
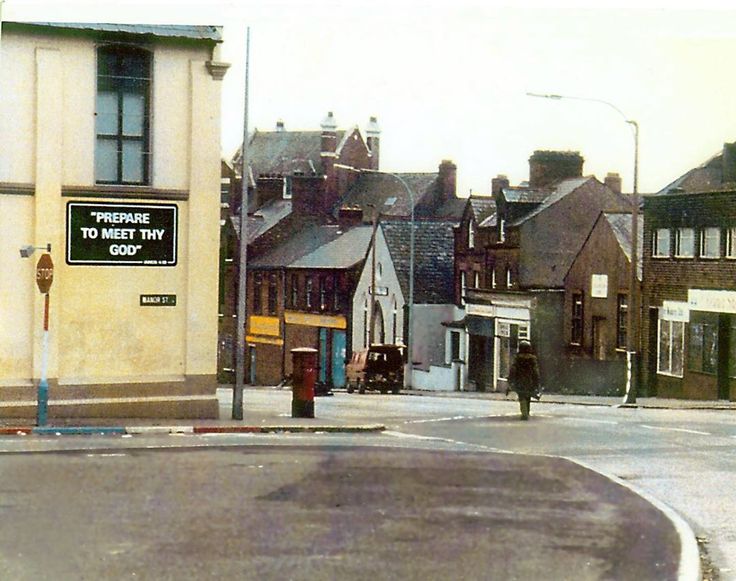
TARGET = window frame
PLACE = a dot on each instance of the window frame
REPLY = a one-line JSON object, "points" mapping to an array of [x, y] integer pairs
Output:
{"points": [[657, 243], [704, 242], [622, 321], [731, 243], [273, 294], [679, 240], [671, 348], [114, 82]]}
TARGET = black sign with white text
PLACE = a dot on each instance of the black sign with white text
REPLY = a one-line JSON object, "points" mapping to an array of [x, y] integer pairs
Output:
{"points": [[158, 300], [121, 234]]}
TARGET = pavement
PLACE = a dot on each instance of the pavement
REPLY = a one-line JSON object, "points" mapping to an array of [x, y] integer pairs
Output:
{"points": [[261, 416]]}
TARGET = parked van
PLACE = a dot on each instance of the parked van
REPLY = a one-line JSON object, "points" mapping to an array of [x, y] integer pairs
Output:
{"points": [[381, 368]]}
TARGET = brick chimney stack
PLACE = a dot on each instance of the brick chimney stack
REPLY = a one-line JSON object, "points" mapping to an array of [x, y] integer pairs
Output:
{"points": [[499, 183], [280, 126], [729, 163], [373, 141], [546, 168], [613, 181], [448, 179], [328, 154]]}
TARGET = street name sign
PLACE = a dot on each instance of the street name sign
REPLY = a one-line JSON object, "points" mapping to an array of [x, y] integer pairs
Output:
{"points": [[158, 301], [119, 234], [44, 273]]}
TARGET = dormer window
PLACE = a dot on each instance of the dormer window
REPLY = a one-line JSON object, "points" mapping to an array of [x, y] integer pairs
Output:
{"points": [[471, 234], [501, 230]]}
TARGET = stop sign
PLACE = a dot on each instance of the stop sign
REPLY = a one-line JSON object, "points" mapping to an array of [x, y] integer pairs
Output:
{"points": [[44, 273]]}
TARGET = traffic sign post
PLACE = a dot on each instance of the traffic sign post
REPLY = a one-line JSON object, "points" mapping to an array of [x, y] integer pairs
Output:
{"points": [[44, 279]]}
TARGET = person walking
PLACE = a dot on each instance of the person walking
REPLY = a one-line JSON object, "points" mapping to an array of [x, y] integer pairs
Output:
{"points": [[524, 377]]}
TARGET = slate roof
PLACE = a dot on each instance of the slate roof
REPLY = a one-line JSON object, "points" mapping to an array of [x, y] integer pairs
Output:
{"points": [[561, 190], [451, 210], [621, 225], [433, 258], [380, 188], [309, 242], [704, 178], [483, 207], [265, 218], [344, 251], [284, 153], [204, 33], [525, 195]]}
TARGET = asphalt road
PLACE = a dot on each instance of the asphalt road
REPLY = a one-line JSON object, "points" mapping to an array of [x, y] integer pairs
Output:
{"points": [[310, 512]]}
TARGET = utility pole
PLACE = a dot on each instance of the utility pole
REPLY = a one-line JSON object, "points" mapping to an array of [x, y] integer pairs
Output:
{"points": [[242, 315]]}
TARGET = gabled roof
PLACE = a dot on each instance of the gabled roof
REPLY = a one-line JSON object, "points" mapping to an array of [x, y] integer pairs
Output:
{"points": [[433, 258], [706, 177], [620, 223], [265, 218], [525, 195], [346, 250], [310, 242], [387, 193], [561, 190], [205, 33], [482, 206], [283, 153]]}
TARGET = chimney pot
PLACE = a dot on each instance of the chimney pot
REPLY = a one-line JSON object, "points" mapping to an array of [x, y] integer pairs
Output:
{"points": [[613, 181], [329, 123], [280, 125]]}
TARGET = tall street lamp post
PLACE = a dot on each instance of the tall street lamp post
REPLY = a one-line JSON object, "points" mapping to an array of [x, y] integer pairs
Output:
{"points": [[632, 330], [409, 334]]}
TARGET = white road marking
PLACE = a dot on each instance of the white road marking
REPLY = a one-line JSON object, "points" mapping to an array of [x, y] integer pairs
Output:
{"points": [[444, 440], [455, 418], [611, 422], [685, 430], [108, 455]]}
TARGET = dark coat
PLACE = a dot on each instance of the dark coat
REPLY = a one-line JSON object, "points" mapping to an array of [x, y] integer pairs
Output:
{"points": [[524, 374]]}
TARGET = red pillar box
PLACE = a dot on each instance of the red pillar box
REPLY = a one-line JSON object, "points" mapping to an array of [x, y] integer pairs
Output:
{"points": [[304, 361]]}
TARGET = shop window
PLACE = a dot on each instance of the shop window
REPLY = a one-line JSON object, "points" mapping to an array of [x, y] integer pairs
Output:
{"points": [[703, 347], [577, 319], [685, 243], [671, 344], [661, 243], [622, 319], [257, 292], [272, 293], [122, 116], [710, 243], [731, 242]]}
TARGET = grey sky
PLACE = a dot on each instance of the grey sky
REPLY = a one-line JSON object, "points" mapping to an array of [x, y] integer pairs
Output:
{"points": [[448, 80]]}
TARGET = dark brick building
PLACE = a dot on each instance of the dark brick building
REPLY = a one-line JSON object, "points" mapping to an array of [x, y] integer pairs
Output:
{"points": [[514, 289], [689, 296], [596, 307]]}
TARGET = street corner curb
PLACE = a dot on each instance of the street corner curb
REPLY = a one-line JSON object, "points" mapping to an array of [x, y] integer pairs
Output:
{"points": [[16, 430], [78, 430], [272, 429], [689, 567]]}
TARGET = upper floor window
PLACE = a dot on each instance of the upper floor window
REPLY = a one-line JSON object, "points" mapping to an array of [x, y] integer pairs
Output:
{"points": [[710, 243], [731, 242], [685, 243], [476, 279], [661, 242], [463, 285], [501, 230], [308, 290], [577, 319], [509, 282], [272, 293], [257, 292], [493, 277], [123, 116], [294, 291], [471, 234]]}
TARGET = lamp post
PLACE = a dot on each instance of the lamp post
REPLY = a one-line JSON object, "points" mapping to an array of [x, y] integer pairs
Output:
{"points": [[409, 334], [632, 330]]}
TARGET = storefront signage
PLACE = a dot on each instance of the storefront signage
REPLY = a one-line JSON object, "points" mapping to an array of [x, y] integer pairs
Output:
{"points": [[714, 301], [309, 320], [118, 234], [379, 291], [158, 301], [265, 326], [599, 286], [674, 311]]}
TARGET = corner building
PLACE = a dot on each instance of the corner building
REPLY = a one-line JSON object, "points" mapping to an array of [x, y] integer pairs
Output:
{"points": [[110, 153]]}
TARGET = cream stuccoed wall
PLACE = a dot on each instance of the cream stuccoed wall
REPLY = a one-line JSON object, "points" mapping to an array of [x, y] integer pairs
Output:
{"points": [[98, 332]]}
